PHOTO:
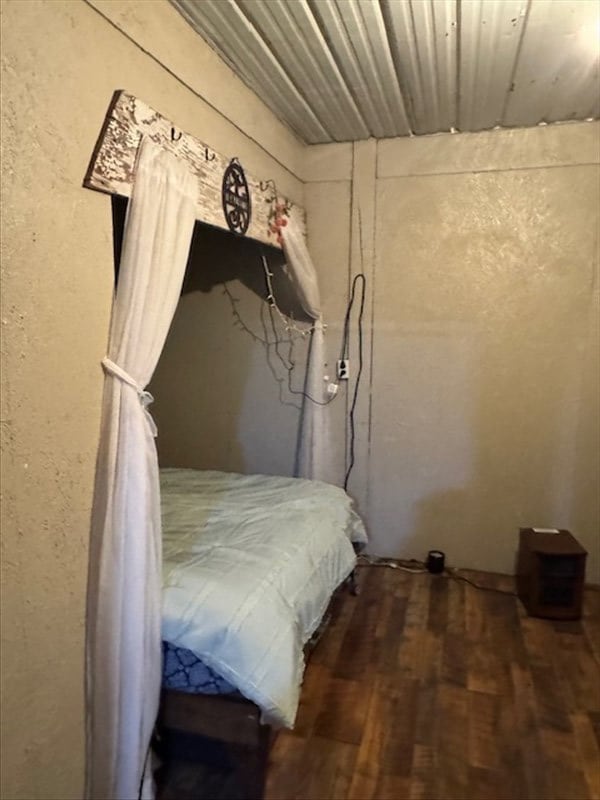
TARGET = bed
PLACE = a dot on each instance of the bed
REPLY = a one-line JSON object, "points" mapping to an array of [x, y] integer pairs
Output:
{"points": [[250, 563]]}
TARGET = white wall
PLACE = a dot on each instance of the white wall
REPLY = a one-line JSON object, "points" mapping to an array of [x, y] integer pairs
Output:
{"points": [[62, 61], [221, 392], [479, 409], [479, 412]]}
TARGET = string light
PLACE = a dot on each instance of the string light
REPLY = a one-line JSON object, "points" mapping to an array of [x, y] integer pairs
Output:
{"points": [[289, 326], [293, 331], [286, 206], [267, 344]]}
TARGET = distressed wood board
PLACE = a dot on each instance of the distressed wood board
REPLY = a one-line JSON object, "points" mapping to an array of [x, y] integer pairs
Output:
{"points": [[112, 167]]}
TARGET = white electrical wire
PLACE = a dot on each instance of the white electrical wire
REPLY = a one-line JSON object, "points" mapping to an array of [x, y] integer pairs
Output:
{"points": [[449, 572], [375, 561]]}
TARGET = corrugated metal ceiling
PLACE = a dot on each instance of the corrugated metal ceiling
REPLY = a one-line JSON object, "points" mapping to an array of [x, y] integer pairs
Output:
{"points": [[342, 70]]}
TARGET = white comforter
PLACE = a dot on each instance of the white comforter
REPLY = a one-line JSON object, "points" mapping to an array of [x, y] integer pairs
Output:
{"points": [[249, 565]]}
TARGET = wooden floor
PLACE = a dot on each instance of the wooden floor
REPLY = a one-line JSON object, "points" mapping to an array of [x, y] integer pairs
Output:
{"points": [[425, 687]]}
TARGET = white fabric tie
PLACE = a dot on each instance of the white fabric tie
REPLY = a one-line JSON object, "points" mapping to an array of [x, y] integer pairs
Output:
{"points": [[145, 397]]}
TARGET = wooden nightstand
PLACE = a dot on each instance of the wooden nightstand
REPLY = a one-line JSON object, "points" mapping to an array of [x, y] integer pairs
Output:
{"points": [[550, 574]]}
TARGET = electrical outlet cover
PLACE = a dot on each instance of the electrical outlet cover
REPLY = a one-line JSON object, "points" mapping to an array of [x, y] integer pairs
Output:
{"points": [[343, 369]]}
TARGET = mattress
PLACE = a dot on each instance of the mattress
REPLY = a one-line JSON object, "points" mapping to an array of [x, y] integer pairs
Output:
{"points": [[249, 566], [185, 672]]}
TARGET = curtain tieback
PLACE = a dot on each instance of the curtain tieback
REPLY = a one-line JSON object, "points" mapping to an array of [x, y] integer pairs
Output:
{"points": [[145, 397]]}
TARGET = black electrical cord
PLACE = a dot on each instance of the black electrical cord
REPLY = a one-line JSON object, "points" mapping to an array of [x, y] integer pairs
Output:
{"points": [[456, 577], [357, 278], [290, 364], [418, 568]]}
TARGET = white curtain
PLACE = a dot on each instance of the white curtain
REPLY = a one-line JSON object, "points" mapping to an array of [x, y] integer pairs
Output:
{"points": [[315, 450], [301, 269], [124, 596]]}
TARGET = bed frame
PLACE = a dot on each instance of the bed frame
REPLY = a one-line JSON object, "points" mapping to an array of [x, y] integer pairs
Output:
{"points": [[218, 729]]}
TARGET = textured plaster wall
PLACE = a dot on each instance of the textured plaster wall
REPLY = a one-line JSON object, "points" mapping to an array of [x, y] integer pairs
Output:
{"points": [[479, 405], [61, 62], [221, 392]]}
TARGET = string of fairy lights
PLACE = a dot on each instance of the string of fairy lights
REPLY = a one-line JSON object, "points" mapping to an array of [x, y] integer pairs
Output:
{"points": [[288, 322], [282, 346], [294, 333]]}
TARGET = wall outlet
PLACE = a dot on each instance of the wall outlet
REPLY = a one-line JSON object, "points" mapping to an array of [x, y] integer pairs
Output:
{"points": [[343, 369]]}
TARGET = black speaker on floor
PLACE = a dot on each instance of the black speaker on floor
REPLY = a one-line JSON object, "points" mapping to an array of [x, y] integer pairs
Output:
{"points": [[436, 561]]}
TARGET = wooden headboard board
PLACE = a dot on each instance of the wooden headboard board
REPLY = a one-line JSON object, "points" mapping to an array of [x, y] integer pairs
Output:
{"points": [[112, 166]]}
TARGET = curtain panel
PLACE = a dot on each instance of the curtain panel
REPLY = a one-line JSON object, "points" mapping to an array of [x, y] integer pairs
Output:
{"points": [[315, 451], [123, 656]]}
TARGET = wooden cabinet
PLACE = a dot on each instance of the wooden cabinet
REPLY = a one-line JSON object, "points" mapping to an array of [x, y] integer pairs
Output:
{"points": [[550, 574]]}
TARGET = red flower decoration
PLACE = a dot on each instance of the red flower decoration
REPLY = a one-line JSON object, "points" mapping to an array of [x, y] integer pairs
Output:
{"points": [[278, 215]]}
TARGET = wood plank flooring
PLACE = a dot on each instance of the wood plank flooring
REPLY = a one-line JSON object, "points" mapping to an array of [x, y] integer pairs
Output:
{"points": [[426, 688]]}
